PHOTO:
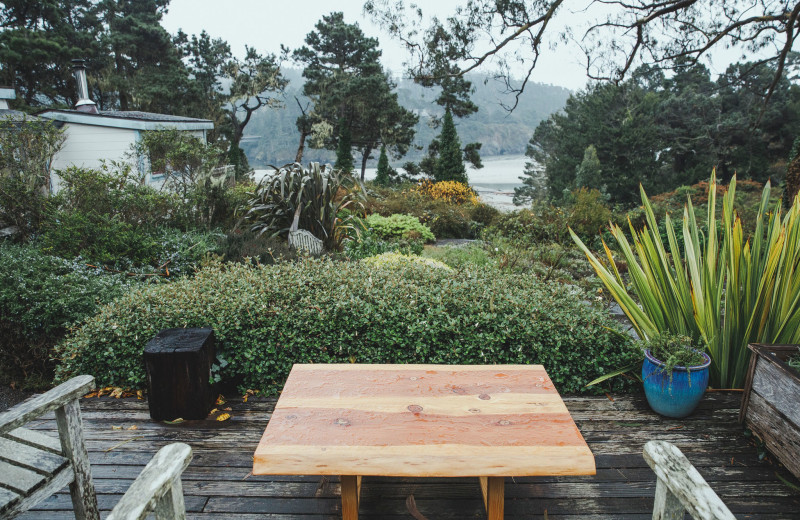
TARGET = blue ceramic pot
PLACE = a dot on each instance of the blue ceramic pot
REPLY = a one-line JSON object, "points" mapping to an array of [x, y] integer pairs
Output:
{"points": [[679, 397]]}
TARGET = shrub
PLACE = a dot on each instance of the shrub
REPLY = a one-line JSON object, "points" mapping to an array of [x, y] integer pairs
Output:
{"points": [[398, 260], [453, 192], [239, 245], [268, 317], [399, 226], [98, 238], [484, 214], [532, 226], [589, 213], [41, 296], [445, 220], [370, 243], [318, 193]]}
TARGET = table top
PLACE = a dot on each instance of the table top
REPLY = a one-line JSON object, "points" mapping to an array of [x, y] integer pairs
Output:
{"points": [[421, 420]]}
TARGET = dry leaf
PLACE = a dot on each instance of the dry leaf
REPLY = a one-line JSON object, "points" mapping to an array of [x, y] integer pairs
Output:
{"points": [[134, 427], [244, 398], [223, 417], [139, 394], [220, 400], [176, 421], [116, 393], [116, 427], [90, 394], [227, 408], [213, 411]]}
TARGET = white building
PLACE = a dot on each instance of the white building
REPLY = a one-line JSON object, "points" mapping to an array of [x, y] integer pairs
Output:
{"points": [[94, 136]]}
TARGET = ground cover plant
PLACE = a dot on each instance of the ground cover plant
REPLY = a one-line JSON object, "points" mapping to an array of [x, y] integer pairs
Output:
{"points": [[268, 317]]}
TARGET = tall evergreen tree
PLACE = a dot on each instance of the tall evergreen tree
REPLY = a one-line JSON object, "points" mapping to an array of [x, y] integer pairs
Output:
{"points": [[450, 164], [346, 82], [146, 69], [589, 172], [382, 176], [38, 40], [344, 156]]}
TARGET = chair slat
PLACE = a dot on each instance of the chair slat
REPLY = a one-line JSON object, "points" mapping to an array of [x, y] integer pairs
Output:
{"points": [[35, 439], [20, 480], [31, 458], [7, 500]]}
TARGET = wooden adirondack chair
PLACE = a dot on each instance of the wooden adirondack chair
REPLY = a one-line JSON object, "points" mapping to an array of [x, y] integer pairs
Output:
{"points": [[33, 466], [680, 488]]}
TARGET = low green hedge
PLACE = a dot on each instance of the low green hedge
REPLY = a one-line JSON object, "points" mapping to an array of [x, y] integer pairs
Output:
{"points": [[318, 311]]}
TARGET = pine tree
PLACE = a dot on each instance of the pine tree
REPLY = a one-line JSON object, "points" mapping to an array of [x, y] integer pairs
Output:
{"points": [[344, 156], [344, 79], [383, 175], [450, 164], [588, 174]]}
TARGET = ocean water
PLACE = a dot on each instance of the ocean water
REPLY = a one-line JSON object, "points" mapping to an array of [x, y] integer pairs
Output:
{"points": [[502, 172]]}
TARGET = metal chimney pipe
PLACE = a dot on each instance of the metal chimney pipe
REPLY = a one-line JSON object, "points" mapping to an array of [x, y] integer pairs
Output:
{"points": [[84, 104]]}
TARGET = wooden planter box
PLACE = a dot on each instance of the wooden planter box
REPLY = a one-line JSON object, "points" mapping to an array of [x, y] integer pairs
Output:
{"points": [[771, 402]]}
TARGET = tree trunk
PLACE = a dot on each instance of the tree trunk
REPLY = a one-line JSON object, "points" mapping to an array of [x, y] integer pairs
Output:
{"points": [[364, 159], [301, 147]]}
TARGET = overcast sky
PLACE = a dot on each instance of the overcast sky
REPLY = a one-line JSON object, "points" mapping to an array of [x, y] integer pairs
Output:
{"points": [[266, 24]]}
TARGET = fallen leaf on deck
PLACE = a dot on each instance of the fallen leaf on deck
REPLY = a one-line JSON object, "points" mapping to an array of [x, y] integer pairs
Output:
{"points": [[227, 409], [220, 400], [213, 411], [134, 427], [116, 427], [139, 394], [411, 505], [176, 421], [116, 393], [90, 394], [223, 417]]}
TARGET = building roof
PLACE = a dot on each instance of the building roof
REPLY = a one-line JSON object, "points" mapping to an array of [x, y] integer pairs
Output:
{"points": [[7, 93], [15, 115], [129, 119]]}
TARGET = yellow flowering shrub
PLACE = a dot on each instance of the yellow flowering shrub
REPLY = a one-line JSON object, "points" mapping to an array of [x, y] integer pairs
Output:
{"points": [[449, 191]]}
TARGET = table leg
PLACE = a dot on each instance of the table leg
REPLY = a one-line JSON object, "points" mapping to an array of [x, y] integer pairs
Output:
{"points": [[493, 490], [351, 494]]}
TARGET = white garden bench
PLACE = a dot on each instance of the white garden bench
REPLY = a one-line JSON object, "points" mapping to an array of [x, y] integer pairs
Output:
{"points": [[680, 488], [34, 466]]}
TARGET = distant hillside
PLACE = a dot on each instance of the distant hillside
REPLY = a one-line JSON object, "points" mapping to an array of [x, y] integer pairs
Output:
{"points": [[272, 138]]}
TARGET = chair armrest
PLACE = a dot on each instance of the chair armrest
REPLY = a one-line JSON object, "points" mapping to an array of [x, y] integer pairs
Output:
{"points": [[41, 404], [683, 481], [156, 480]]}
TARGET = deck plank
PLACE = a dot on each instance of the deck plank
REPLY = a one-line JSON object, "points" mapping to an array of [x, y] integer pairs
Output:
{"points": [[218, 483]]}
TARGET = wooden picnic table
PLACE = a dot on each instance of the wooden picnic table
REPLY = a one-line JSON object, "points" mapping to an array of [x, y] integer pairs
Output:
{"points": [[485, 421]]}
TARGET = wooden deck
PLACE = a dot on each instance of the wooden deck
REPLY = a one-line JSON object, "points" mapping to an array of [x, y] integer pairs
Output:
{"points": [[121, 439]]}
